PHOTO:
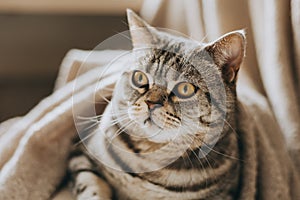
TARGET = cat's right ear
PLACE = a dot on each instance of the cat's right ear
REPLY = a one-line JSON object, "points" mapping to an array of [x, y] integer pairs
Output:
{"points": [[142, 34], [228, 53]]}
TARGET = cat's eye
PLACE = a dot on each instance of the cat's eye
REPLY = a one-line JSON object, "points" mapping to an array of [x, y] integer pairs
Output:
{"points": [[184, 90], [140, 79]]}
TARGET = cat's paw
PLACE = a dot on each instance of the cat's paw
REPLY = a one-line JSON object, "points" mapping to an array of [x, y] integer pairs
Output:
{"points": [[89, 186]]}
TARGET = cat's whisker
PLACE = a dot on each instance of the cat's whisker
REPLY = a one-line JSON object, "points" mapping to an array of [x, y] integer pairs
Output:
{"points": [[231, 128], [125, 23], [118, 132], [188, 156], [93, 101], [89, 127], [125, 36], [95, 131], [112, 123], [96, 123], [121, 130], [212, 169], [204, 38], [212, 149], [116, 121], [199, 160], [183, 158], [119, 112], [120, 116], [123, 127], [103, 97], [124, 111], [98, 102], [85, 138], [83, 123], [220, 153], [204, 156], [197, 156], [192, 162], [88, 118]]}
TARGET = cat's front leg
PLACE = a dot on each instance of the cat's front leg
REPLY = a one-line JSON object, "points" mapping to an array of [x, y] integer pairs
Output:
{"points": [[87, 184]]}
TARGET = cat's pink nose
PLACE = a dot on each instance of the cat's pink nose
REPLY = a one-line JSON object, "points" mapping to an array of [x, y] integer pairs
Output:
{"points": [[152, 105]]}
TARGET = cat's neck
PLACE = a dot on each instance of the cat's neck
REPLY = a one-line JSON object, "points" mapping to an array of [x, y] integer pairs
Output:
{"points": [[193, 156], [220, 168], [205, 156]]}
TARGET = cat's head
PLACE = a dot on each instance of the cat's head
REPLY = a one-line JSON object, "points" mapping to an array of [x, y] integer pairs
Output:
{"points": [[175, 86]]}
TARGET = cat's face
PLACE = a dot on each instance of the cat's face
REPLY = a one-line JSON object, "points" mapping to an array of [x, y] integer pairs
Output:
{"points": [[173, 86]]}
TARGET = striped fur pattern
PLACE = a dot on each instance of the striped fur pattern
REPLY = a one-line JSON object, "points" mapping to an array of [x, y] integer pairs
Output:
{"points": [[169, 131]]}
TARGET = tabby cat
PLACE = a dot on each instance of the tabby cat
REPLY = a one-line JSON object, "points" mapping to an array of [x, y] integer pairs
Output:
{"points": [[169, 130]]}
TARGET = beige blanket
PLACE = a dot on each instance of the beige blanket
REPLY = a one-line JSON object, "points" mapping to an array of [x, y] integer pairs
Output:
{"points": [[34, 148]]}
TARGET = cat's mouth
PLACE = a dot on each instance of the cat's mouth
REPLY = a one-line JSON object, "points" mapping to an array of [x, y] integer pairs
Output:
{"points": [[149, 121]]}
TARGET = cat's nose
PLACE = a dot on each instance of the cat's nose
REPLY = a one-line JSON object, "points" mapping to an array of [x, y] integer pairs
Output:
{"points": [[152, 105]]}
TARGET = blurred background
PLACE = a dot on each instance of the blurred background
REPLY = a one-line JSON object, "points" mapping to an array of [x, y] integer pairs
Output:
{"points": [[36, 35]]}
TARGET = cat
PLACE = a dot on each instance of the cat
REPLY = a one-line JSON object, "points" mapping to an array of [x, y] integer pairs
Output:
{"points": [[169, 130]]}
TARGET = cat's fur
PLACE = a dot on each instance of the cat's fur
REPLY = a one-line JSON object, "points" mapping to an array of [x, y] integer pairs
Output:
{"points": [[171, 164]]}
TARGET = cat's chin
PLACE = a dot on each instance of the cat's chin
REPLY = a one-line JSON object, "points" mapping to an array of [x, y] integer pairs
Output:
{"points": [[149, 123], [154, 133]]}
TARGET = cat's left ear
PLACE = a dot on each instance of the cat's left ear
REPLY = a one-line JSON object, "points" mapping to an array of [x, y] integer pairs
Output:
{"points": [[228, 53], [142, 34]]}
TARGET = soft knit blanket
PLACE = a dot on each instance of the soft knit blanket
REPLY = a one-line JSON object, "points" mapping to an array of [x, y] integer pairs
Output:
{"points": [[34, 148]]}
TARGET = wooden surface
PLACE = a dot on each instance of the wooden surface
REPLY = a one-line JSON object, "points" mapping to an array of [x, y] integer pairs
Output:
{"points": [[69, 6]]}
